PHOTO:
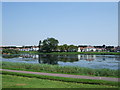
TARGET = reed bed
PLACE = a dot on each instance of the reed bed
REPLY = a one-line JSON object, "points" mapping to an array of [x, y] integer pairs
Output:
{"points": [[60, 69]]}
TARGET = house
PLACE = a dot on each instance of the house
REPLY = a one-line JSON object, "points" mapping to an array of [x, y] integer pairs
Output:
{"points": [[89, 49], [35, 48], [81, 48], [99, 49], [117, 49], [86, 49]]}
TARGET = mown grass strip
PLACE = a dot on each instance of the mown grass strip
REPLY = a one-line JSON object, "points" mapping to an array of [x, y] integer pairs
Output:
{"points": [[60, 69], [13, 81], [64, 79]]}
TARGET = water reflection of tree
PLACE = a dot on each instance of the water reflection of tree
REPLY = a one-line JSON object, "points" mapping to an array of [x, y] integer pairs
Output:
{"points": [[26, 55], [34, 56], [117, 58], [10, 56], [48, 59], [53, 59], [68, 58]]}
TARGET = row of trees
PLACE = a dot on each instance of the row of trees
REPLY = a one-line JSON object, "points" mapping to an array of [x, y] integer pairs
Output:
{"points": [[51, 45], [10, 51], [67, 48]]}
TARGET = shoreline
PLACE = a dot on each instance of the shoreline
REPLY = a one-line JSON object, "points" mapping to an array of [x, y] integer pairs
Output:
{"points": [[86, 53]]}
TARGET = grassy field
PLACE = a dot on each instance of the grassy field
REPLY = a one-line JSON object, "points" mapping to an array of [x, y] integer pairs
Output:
{"points": [[95, 53], [60, 69], [12, 81]]}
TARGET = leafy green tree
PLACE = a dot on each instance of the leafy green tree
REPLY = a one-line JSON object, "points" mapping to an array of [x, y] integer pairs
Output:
{"points": [[60, 48], [49, 45], [72, 48], [65, 47]]}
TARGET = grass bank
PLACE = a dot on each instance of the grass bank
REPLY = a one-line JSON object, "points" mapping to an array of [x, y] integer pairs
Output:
{"points": [[95, 53], [60, 69], [87, 82]]}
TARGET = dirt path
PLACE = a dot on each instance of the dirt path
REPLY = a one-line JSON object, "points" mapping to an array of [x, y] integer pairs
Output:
{"points": [[65, 75]]}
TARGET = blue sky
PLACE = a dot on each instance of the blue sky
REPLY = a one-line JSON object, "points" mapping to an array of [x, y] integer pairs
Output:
{"points": [[89, 23]]}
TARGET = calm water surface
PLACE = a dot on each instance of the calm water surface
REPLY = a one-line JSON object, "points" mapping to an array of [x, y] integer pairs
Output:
{"points": [[90, 61]]}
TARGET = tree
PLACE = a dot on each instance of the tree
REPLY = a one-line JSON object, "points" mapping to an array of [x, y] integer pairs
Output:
{"points": [[65, 46], [72, 48], [110, 48], [10, 51], [60, 48], [39, 46], [103, 46], [49, 45]]}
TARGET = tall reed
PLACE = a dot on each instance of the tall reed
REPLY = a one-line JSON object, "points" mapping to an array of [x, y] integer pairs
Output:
{"points": [[60, 69]]}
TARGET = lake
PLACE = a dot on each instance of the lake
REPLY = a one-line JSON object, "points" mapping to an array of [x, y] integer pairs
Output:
{"points": [[89, 61]]}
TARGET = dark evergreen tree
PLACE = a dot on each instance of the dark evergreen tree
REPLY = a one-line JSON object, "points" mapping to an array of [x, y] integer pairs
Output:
{"points": [[39, 46]]}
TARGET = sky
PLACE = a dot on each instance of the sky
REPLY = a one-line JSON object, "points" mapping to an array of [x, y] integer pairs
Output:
{"points": [[77, 23]]}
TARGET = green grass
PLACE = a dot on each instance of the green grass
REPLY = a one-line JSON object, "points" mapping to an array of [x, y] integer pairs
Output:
{"points": [[60, 69], [95, 53], [14, 80]]}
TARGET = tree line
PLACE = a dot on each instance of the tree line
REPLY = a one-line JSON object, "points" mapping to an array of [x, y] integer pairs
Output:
{"points": [[10, 51], [51, 45]]}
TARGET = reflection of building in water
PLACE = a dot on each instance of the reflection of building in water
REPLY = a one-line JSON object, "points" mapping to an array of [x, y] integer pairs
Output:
{"points": [[79, 57], [87, 57], [35, 56], [117, 58], [29, 56]]}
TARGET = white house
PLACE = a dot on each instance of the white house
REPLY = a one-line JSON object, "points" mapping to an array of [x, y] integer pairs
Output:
{"points": [[35, 48], [86, 49]]}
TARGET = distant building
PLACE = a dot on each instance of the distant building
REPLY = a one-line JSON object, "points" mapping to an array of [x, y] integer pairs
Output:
{"points": [[117, 49], [89, 49], [22, 48], [35, 48], [86, 49]]}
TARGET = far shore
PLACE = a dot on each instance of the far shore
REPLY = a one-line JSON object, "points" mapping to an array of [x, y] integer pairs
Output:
{"points": [[88, 53]]}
